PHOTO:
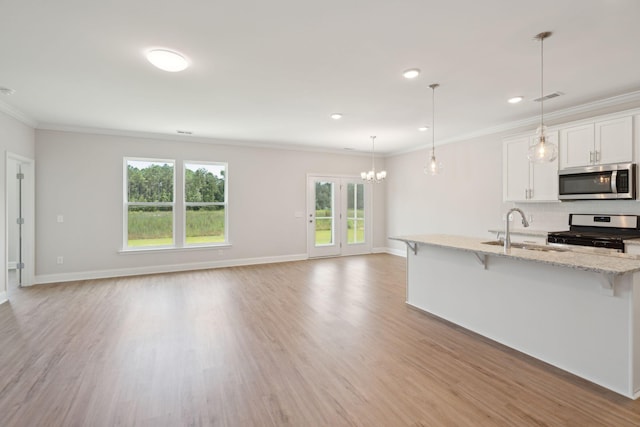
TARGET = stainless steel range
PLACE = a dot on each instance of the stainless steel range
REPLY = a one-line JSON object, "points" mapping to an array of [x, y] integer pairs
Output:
{"points": [[602, 233]]}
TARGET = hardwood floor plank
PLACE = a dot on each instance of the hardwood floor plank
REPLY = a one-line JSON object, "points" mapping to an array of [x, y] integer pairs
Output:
{"points": [[312, 343]]}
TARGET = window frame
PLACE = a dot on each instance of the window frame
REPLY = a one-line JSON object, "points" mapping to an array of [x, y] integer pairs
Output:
{"points": [[126, 204], [186, 204]]}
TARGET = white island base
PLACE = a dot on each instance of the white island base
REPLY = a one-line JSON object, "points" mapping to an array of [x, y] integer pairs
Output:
{"points": [[567, 317]]}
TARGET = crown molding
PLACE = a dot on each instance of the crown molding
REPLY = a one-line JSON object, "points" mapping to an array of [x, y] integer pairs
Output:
{"points": [[198, 139], [566, 113], [614, 101], [18, 115]]}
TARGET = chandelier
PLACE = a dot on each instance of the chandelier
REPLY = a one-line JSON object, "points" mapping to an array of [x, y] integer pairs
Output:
{"points": [[372, 176]]}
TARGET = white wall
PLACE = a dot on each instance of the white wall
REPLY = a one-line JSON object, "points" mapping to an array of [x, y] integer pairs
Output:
{"points": [[79, 176], [18, 138], [466, 198]]}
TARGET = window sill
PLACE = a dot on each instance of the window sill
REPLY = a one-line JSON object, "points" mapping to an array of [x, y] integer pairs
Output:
{"points": [[174, 249]]}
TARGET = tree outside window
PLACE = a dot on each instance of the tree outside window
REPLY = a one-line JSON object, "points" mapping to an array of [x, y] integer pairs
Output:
{"points": [[149, 202], [205, 190]]}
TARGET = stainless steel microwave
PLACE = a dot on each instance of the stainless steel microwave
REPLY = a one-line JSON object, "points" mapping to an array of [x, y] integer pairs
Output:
{"points": [[601, 182]]}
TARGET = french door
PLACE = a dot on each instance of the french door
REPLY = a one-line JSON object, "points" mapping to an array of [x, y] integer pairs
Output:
{"points": [[338, 216]]}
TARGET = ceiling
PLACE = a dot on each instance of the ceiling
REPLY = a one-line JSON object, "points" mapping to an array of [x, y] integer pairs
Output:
{"points": [[272, 72]]}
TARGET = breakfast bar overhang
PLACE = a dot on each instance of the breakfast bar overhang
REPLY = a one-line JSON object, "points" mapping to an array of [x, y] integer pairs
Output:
{"points": [[579, 312]]}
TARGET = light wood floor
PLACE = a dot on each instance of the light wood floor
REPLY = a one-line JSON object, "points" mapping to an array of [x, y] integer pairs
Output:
{"points": [[317, 343]]}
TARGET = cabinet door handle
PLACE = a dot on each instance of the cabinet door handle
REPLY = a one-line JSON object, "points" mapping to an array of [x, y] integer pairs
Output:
{"points": [[531, 193], [590, 156], [597, 156]]}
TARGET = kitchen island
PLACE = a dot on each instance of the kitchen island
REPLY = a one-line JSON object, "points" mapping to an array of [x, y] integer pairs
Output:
{"points": [[577, 311]]}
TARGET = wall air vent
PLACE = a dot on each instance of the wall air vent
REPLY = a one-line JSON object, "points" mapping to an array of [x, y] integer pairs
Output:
{"points": [[184, 132], [549, 96]]}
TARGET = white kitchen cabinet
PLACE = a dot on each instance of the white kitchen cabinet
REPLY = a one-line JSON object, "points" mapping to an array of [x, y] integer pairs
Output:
{"points": [[523, 181], [602, 142]]}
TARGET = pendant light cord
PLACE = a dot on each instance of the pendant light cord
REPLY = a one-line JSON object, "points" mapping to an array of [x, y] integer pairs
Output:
{"points": [[433, 118], [373, 149], [542, 37]]}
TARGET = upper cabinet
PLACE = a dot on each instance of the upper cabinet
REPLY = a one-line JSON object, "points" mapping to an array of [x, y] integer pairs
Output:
{"points": [[523, 181], [601, 142]]}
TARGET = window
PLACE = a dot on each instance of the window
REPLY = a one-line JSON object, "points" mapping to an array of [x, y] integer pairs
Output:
{"points": [[205, 203], [149, 203]]}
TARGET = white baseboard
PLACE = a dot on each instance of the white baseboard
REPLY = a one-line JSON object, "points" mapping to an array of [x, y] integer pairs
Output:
{"points": [[391, 251], [3, 297], [104, 274]]}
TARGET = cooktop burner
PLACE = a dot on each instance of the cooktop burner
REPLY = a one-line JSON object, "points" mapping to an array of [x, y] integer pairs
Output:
{"points": [[604, 231]]}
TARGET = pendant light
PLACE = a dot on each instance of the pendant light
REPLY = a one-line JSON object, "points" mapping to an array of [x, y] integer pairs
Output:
{"points": [[542, 151], [433, 167], [372, 176]]}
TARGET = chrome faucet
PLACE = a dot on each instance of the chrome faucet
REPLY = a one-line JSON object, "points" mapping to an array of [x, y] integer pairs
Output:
{"points": [[507, 236]]}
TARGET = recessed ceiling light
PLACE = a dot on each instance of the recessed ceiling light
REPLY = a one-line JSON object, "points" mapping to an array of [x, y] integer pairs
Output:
{"points": [[167, 60], [423, 128], [411, 73], [336, 116], [6, 91], [515, 99]]}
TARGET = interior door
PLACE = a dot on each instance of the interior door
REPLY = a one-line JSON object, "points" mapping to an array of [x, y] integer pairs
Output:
{"points": [[337, 216]]}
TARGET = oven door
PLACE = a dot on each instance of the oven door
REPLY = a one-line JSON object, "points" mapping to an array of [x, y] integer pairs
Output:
{"points": [[615, 181]]}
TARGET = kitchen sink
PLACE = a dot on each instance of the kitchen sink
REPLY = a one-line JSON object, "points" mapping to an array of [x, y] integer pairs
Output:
{"points": [[527, 246]]}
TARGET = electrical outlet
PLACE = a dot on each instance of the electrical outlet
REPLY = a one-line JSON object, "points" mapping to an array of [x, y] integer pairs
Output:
{"points": [[60, 218], [530, 219], [60, 260]]}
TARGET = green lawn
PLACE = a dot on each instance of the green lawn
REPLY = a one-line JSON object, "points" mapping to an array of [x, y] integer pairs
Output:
{"points": [[155, 227], [323, 237]]}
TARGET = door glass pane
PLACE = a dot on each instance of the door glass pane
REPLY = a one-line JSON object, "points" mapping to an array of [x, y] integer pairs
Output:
{"points": [[204, 224], [150, 226], [355, 213], [324, 214]]}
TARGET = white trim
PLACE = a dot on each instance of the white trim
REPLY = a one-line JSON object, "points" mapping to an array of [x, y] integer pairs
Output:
{"points": [[155, 269], [29, 243], [533, 121], [11, 265], [18, 115], [230, 142], [391, 251], [163, 249], [3, 297]]}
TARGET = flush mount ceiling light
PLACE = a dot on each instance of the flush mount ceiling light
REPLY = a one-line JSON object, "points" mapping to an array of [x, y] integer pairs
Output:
{"points": [[433, 167], [515, 99], [423, 128], [167, 60], [6, 91], [411, 73], [336, 116], [543, 151], [372, 176]]}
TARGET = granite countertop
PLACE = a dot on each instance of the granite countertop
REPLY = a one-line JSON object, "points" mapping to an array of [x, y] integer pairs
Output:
{"points": [[600, 263], [635, 242]]}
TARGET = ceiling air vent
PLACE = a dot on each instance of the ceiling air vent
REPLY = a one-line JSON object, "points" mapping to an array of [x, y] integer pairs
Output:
{"points": [[549, 96], [184, 132]]}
